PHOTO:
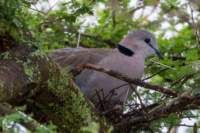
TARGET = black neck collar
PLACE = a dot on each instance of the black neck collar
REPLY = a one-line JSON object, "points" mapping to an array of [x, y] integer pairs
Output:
{"points": [[124, 50]]}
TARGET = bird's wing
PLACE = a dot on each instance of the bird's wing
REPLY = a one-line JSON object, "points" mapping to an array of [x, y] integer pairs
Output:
{"points": [[72, 57]]}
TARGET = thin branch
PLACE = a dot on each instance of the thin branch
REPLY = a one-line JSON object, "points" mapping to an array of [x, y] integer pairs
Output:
{"points": [[185, 125], [138, 95], [143, 108], [37, 10], [195, 28], [51, 6], [161, 64], [127, 79], [151, 76], [100, 100], [183, 79], [112, 91], [135, 9]]}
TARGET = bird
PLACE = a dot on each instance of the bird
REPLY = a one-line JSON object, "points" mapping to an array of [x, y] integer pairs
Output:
{"points": [[127, 58]]}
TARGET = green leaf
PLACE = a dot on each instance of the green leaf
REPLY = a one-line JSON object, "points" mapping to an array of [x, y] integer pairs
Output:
{"points": [[192, 55]]}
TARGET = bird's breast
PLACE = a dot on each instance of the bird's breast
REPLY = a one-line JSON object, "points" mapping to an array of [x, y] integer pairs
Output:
{"points": [[133, 66]]}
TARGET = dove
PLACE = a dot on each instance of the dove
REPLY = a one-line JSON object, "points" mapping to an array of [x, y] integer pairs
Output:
{"points": [[127, 58]]}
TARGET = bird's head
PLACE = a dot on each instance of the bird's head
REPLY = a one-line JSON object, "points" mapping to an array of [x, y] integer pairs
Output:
{"points": [[140, 41]]}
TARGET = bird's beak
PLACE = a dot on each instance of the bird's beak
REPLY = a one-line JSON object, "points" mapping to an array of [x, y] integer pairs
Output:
{"points": [[158, 53]]}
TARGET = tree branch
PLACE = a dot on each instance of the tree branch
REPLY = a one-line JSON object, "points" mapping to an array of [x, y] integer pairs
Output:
{"points": [[127, 79], [178, 104]]}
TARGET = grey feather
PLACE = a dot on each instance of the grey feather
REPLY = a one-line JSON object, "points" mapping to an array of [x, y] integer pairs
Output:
{"points": [[91, 81], [72, 57]]}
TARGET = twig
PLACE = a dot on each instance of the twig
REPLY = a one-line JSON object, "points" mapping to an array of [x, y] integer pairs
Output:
{"points": [[135, 9], [37, 10], [143, 108], [161, 64], [185, 125], [138, 95], [195, 26], [100, 100], [127, 79], [183, 79], [78, 40], [51, 6], [151, 76], [111, 92]]}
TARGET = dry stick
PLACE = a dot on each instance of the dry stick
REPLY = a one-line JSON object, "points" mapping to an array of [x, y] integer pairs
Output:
{"points": [[162, 110], [142, 104], [127, 79], [111, 92], [100, 100], [138, 95]]}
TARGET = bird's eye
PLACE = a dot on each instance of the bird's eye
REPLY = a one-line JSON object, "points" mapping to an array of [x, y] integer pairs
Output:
{"points": [[147, 40]]}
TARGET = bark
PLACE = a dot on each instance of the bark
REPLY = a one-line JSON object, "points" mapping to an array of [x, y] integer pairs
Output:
{"points": [[30, 78]]}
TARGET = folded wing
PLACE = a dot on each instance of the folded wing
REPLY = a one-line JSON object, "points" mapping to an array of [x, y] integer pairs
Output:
{"points": [[72, 57]]}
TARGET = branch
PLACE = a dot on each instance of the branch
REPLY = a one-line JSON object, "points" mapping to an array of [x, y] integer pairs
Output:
{"points": [[178, 104], [195, 25], [185, 125], [127, 79], [183, 79], [154, 74]]}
